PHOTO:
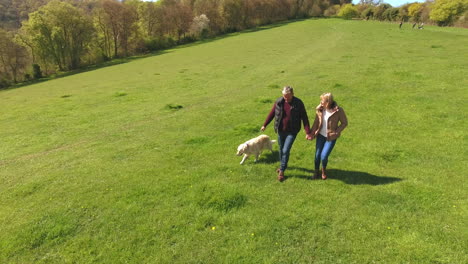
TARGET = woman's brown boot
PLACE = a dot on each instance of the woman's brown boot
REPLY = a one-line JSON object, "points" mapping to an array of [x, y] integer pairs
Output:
{"points": [[324, 174]]}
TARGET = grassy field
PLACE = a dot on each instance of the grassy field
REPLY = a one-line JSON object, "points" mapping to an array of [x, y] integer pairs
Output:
{"points": [[135, 163]]}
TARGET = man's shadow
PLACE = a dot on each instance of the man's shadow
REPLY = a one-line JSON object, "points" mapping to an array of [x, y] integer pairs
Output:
{"points": [[269, 157], [348, 177]]}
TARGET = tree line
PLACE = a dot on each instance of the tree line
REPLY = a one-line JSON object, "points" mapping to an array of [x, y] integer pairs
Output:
{"points": [[43, 37], [438, 12]]}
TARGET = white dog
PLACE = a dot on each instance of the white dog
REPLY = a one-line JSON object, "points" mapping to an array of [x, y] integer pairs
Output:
{"points": [[255, 146]]}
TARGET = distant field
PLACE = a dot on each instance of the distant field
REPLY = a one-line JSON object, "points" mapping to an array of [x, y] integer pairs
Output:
{"points": [[135, 163]]}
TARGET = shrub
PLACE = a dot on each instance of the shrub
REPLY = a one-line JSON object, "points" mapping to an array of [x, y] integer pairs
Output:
{"points": [[4, 83], [154, 44], [199, 26], [445, 12], [104, 57], [174, 106], [415, 10], [391, 14], [37, 73], [368, 13], [119, 94], [186, 39], [348, 12], [462, 20], [332, 10]]}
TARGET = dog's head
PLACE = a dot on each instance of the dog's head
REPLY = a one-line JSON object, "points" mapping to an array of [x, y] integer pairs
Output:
{"points": [[242, 148]]}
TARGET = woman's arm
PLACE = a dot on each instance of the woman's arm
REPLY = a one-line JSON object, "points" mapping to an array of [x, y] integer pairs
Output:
{"points": [[343, 121]]}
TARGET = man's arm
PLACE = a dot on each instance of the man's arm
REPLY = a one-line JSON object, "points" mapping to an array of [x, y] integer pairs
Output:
{"points": [[305, 122], [270, 117]]}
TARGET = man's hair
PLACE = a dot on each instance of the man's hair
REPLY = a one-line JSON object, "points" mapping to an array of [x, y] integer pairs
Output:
{"points": [[287, 89]]}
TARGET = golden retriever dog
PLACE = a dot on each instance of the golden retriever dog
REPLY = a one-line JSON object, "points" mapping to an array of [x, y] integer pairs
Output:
{"points": [[255, 146]]}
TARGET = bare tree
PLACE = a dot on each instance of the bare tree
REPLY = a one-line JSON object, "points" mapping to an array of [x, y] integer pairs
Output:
{"points": [[13, 57], [177, 17], [112, 13], [128, 26]]}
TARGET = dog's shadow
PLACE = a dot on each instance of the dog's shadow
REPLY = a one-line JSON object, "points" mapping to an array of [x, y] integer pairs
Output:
{"points": [[269, 157], [348, 177]]}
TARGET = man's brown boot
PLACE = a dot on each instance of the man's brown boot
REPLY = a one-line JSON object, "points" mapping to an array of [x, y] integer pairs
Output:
{"points": [[280, 176], [315, 176]]}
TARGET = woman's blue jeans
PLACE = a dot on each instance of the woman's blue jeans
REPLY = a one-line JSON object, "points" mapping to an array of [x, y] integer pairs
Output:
{"points": [[323, 148], [285, 141]]}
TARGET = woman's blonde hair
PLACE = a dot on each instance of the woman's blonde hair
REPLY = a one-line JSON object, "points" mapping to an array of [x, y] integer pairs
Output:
{"points": [[328, 97]]}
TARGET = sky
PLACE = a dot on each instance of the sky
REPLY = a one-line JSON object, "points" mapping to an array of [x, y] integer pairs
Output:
{"points": [[394, 3]]}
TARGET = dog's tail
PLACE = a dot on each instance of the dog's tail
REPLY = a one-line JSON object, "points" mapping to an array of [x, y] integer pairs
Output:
{"points": [[273, 141]]}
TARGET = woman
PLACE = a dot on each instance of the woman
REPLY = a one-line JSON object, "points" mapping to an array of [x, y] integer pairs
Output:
{"points": [[330, 121]]}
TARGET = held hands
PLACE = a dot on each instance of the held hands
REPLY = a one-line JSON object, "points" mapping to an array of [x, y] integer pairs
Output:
{"points": [[310, 136]]}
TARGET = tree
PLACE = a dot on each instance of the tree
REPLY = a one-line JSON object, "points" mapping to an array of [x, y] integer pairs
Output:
{"points": [[117, 26], [176, 19], [414, 11], [199, 25], [379, 11], [367, 13], [297, 8], [13, 57], [348, 12], [109, 19], [150, 14], [445, 12], [370, 2], [212, 9], [61, 33], [128, 26], [105, 35], [403, 12], [232, 12], [462, 21], [332, 10], [391, 14]]}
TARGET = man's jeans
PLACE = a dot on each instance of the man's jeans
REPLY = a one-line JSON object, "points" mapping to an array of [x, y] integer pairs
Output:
{"points": [[285, 141], [323, 148]]}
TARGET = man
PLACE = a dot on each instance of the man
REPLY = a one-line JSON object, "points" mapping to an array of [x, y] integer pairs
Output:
{"points": [[288, 112]]}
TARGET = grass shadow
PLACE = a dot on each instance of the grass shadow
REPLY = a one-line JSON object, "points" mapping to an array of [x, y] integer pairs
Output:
{"points": [[359, 178], [86, 69], [236, 33], [151, 54], [295, 175], [269, 157], [349, 177]]}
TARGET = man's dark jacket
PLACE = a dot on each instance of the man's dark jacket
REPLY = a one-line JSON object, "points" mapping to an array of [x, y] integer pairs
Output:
{"points": [[298, 113]]}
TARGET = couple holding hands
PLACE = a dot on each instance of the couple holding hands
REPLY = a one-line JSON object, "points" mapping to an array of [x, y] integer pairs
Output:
{"points": [[288, 112]]}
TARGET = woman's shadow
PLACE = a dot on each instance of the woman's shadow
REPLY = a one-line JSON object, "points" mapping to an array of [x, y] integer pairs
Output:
{"points": [[348, 177]]}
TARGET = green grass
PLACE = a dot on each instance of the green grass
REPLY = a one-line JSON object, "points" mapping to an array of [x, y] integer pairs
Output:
{"points": [[135, 163]]}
